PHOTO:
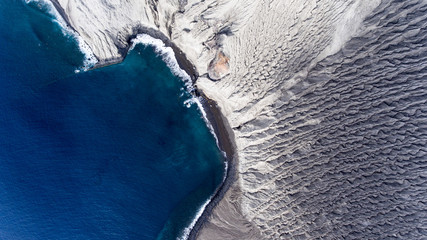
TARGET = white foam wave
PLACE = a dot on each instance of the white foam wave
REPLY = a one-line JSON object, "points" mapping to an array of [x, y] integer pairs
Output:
{"points": [[90, 59], [168, 56], [186, 232], [205, 118]]}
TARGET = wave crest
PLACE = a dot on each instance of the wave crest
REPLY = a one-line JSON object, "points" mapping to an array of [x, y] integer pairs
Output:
{"points": [[168, 56]]}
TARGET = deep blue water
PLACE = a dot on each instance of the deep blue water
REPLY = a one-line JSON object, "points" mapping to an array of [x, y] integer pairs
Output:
{"points": [[111, 153]]}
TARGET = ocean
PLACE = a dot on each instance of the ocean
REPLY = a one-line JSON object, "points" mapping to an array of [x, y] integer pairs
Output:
{"points": [[119, 152]]}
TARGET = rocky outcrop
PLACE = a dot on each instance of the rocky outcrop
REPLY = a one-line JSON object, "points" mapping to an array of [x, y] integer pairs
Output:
{"points": [[326, 100], [219, 66]]}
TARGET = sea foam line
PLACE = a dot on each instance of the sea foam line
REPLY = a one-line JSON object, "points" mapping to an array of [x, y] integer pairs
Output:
{"points": [[168, 56], [186, 232], [90, 59]]}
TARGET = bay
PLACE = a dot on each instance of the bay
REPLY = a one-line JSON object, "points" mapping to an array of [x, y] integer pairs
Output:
{"points": [[111, 153]]}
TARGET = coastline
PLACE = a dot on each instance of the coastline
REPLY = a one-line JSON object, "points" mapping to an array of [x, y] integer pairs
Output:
{"points": [[226, 144], [220, 125]]}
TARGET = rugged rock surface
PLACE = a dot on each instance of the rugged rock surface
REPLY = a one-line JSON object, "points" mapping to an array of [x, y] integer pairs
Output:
{"points": [[326, 100], [219, 67]]}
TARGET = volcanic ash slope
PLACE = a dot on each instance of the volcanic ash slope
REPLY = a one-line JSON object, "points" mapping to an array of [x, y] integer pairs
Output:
{"points": [[326, 100]]}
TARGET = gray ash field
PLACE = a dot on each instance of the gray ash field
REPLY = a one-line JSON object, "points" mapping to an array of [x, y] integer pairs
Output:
{"points": [[350, 139]]}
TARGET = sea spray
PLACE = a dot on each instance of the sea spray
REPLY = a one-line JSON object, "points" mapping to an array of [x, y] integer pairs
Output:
{"points": [[46, 6]]}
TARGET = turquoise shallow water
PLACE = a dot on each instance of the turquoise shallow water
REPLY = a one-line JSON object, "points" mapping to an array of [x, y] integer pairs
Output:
{"points": [[112, 153]]}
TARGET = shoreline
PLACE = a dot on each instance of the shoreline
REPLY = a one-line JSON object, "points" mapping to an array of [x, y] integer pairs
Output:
{"points": [[226, 143], [219, 123]]}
